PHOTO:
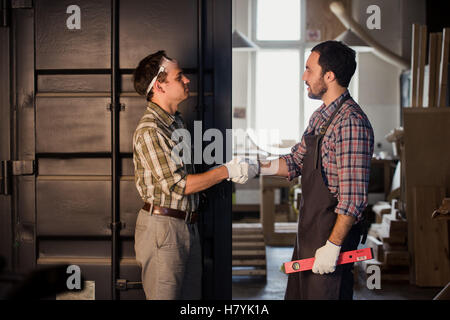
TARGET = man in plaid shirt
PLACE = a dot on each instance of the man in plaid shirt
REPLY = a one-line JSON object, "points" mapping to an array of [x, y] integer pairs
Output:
{"points": [[166, 238], [333, 159]]}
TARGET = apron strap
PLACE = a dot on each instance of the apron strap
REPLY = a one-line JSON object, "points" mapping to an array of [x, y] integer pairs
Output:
{"points": [[322, 130]]}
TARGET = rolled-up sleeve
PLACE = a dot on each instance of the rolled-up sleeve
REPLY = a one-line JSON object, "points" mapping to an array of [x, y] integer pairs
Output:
{"points": [[354, 149], [294, 162], [156, 157]]}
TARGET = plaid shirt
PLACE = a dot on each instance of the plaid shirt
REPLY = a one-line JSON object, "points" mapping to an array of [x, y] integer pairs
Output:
{"points": [[159, 178], [347, 150]]}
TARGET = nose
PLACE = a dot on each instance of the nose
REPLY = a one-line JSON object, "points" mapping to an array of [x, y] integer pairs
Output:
{"points": [[186, 79], [304, 76]]}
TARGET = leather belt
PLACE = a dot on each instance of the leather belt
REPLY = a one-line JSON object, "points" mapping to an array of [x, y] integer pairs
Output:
{"points": [[189, 217]]}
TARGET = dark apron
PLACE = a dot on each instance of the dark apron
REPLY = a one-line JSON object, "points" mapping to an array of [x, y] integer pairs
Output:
{"points": [[316, 221]]}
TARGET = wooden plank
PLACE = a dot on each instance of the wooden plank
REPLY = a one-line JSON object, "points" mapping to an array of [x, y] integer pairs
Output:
{"points": [[286, 227], [432, 65], [443, 72], [394, 247], [381, 232], [395, 227], [249, 253], [272, 182], [388, 273], [279, 239], [438, 67], [377, 247], [249, 245], [239, 226], [396, 258], [414, 64], [249, 272], [267, 210], [426, 130], [248, 237], [431, 244], [241, 231], [248, 262], [381, 207], [245, 207], [422, 60]]}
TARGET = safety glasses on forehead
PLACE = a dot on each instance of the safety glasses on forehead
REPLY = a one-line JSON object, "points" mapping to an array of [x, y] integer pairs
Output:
{"points": [[165, 62]]}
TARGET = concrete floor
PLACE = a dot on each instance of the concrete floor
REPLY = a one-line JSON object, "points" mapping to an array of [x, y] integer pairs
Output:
{"points": [[251, 288]]}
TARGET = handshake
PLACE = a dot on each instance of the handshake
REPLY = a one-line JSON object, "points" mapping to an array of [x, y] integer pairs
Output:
{"points": [[242, 169]]}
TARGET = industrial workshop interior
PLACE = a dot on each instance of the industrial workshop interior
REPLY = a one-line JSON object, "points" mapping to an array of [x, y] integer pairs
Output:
{"points": [[69, 108]]}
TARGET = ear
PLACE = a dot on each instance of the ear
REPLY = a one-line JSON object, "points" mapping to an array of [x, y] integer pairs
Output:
{"points": [[330, 76], [157, 87]]}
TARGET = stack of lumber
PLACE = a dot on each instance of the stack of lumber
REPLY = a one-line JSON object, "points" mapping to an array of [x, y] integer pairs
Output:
{"points": [[249, 250], [388, 242], [425, 159]]}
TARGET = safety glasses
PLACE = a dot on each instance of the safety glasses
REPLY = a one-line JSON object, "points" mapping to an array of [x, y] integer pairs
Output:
{"points": [[162, 68]]}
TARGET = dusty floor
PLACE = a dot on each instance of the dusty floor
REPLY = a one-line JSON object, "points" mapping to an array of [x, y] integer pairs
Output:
{"points": [[249, 288]]}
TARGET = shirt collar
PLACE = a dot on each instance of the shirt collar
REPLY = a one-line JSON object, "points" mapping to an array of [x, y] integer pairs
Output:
{"points": [[161, 114], [327, 111]]}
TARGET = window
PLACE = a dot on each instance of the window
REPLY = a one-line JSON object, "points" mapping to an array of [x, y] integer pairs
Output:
{"points": [[268, 91], [278, 20], [277, 92], [277, 68]]}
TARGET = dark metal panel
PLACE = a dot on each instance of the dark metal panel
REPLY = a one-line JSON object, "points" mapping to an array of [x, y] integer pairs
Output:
{"points": [[72, 125], [148, 26], [5, 148], [129, 119], [73, 208], [100, 273], [127, 79], [58, 47], [127, 246], [25, 228], [73, 247], [74, 166], [217, 218], [130, 204], [131, 273], [79, 83], [128, 167], [24, 142]]}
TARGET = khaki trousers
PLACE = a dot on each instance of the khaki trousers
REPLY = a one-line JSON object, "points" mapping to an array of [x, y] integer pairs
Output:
{"points": [[168, 251]]}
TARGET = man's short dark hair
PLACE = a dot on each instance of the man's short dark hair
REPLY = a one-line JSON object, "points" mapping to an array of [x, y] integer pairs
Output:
{"points": [[338, 58], [146, 71]]}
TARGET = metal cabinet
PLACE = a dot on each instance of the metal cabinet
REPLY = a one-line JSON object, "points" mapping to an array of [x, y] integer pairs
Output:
{"points": [[69, 111]]}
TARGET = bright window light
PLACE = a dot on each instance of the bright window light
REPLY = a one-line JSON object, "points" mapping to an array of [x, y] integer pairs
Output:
{"points": [[278, 20], [277, 93]]}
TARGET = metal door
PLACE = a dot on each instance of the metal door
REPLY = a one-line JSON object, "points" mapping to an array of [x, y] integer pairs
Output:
{"points": [[71, 116]]}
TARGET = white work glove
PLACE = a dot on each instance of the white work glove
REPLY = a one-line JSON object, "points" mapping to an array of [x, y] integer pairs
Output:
{"points": [[253, 167], [326, 258], [237, 170]]}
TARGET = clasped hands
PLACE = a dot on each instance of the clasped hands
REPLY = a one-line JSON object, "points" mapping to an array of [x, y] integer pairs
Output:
{"points": [[242, 169]]}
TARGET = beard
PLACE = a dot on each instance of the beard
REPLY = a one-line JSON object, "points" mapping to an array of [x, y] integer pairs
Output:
{"points": [[321, 90]]}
